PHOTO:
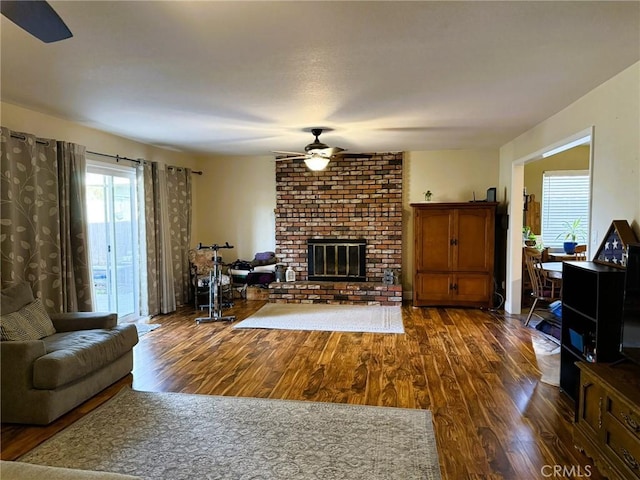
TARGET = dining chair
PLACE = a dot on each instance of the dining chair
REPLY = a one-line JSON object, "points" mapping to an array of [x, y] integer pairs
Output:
{"points": [[542, 287], [581, 252]]}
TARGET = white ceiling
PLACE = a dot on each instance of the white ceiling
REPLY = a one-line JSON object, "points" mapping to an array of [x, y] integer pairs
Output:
{"points": [[247, 78]]}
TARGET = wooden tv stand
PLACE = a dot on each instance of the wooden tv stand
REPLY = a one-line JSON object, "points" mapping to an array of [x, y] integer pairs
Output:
{"points": [[607, 426]]}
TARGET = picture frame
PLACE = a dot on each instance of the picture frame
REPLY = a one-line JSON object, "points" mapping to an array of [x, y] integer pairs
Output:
{"points": [[613, 249]]}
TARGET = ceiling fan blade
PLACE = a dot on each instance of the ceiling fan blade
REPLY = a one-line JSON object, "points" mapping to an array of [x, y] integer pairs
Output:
{"points": [[326, 152], [300, 157], [36, 17], [331, 151], [355, 155], [284, 152]]}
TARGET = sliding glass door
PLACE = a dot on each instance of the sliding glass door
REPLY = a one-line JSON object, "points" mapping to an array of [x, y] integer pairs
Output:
{"points": [[113, 237]]}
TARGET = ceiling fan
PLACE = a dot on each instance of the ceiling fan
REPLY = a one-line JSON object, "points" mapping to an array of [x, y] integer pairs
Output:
{"points": [[317, 154], [36, 17]]}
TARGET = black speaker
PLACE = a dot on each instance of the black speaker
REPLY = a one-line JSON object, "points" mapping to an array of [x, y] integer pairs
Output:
{"points": [[491, 194]]}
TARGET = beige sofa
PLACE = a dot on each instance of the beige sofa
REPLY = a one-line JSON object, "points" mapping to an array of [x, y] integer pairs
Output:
{"points": [[43, 379]]}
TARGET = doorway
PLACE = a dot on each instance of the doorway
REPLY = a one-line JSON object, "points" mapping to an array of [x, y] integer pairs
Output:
{"points": [[113, 239], [515, 240]]}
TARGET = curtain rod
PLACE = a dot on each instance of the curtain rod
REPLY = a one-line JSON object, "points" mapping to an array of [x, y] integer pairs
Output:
{"points": [[118, 158], [195, 172], [24, 138]]}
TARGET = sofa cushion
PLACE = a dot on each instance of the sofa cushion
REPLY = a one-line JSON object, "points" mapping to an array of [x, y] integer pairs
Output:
{"points": [[73, 355], [15, 297], [31, 322]]}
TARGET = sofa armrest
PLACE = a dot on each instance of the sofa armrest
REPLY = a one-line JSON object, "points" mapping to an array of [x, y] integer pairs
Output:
{"points": [[68, 322], [16, 364]]}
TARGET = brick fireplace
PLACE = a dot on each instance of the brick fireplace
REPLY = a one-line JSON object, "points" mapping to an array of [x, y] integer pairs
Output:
{"points": [[336, 259], [357, 199]]}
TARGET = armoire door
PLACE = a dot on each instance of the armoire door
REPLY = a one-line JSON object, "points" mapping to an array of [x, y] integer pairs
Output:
{"points": [[434, 231], [474, 240]]}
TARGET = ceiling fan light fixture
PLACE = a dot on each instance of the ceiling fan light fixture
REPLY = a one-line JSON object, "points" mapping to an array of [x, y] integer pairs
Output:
{"points": [[316, 163]]}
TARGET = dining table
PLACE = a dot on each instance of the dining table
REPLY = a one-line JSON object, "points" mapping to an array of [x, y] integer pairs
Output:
{"points": [[560, 257], [552, 269]]}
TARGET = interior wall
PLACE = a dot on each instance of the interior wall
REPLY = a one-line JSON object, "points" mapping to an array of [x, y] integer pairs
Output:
{"points": [[234, 202], [46, 126], [573, 159], [452, 176], [20, 119], [245, 218], [613, 109]]}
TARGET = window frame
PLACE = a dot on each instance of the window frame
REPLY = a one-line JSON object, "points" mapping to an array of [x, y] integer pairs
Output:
{"points": [[551, 228]]}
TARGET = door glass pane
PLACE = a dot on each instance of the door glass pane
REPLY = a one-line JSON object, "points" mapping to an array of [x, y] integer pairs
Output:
{"points": [[99, 239], [123, 245], [113, 241]]}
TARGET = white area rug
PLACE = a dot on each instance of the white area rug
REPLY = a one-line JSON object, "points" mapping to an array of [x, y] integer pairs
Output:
{"points": [[326, 317], [181, 436], [144, 328], [548, 358]]}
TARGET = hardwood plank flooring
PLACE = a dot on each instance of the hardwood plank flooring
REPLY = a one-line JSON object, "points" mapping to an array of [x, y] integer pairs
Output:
{"points": [[475, 370]]}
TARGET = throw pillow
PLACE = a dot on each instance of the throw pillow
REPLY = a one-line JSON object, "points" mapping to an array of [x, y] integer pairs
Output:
{"points": [[15, 297], [31, 322]]}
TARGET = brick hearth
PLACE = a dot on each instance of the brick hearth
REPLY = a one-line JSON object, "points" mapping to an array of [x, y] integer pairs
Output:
{"points": [[370, 293], [353, 198]]}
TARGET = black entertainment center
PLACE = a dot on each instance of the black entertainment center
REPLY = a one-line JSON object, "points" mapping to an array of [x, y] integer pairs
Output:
{"points": [[630, 338], [607, 423]]}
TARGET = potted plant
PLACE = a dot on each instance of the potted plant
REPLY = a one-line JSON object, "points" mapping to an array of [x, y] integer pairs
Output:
{"points": [[573, 231], [427, 195], [528, 237]]}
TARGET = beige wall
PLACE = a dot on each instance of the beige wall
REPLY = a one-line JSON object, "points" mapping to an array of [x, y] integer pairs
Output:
{"points": [[235, 202], [452, 176], [613, 109], [236, 196], [45, 126], [576, 158]]}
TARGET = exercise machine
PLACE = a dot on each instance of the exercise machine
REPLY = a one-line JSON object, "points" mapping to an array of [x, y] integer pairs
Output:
{"points": [[215, 286]]}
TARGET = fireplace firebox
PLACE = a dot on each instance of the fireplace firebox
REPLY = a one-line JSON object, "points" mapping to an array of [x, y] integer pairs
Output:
{"points": [[337, 259]]}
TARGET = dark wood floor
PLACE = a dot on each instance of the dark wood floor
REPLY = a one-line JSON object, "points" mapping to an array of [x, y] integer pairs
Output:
{"points": [[475, 370]]}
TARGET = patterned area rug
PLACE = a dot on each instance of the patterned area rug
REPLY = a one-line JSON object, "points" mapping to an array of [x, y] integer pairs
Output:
{"points": [[327, 317], [180, 436]]}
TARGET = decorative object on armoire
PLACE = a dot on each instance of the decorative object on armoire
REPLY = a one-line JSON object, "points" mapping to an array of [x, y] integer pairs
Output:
{"points": [[612, 250], [454, 253], [427, 195]]}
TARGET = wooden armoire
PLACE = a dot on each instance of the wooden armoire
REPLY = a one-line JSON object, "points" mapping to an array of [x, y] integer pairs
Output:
{"points": [[454, 254]]}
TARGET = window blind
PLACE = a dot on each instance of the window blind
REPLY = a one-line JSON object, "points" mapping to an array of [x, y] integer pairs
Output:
{"points": [[565, 198]]}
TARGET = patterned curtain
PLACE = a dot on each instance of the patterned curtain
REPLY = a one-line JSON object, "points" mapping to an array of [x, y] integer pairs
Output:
{"points": [[166, 234], [43, 220], [179, 197], [75, 268]]}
